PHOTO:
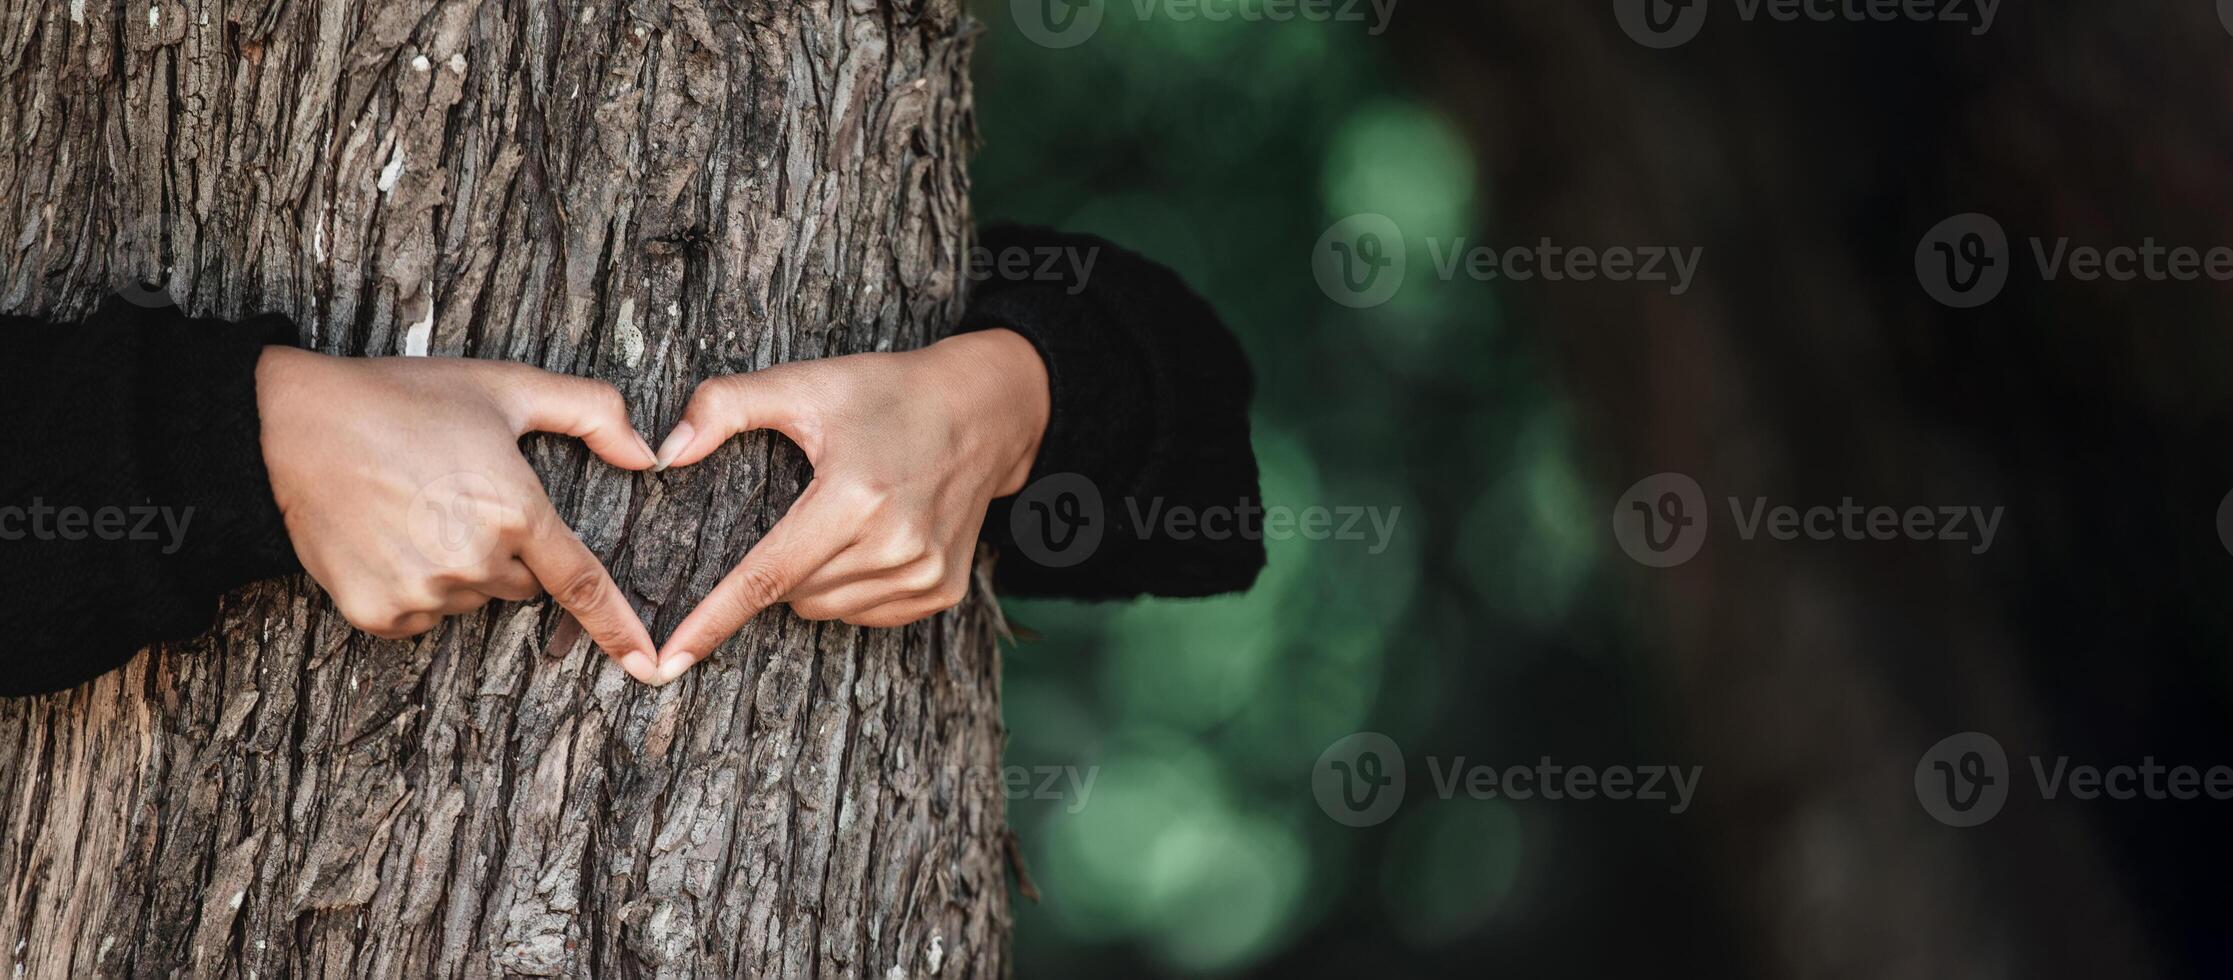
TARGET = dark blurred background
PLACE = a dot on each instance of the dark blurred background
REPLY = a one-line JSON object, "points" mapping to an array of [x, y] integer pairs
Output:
{"points": [[1812, 165]]}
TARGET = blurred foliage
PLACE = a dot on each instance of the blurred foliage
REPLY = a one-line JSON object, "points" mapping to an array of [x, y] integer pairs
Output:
{"points": [[1224, 150]]}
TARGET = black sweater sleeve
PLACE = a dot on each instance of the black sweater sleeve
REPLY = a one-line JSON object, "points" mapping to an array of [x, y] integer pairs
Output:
{"points": [[1145, 482], [133, 493]]}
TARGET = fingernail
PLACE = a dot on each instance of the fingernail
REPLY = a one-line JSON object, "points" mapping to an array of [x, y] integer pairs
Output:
{"points": [[639, 665], [646, 443], [674, 666], [676, 441]]}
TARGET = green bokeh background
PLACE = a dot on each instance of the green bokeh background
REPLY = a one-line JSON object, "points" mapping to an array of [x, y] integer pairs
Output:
{"points": [[1225, 150], [1502, 624]]}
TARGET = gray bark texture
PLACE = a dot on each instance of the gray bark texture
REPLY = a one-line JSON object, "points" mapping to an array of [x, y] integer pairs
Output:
{"points": [[651, 193]]}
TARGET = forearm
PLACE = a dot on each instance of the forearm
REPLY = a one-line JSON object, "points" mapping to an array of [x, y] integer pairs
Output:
{"points": [[1149, 405], [135, 492], [1012, 398]]}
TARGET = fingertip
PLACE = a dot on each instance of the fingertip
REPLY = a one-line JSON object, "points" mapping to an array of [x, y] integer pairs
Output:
{"points": [[675, 643], [673, 666], [627, 453], [688, 637], [639, 665], [677, 447]]}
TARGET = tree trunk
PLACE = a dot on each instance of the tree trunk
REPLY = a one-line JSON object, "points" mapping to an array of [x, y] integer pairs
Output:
{"points": [[649, 193]]}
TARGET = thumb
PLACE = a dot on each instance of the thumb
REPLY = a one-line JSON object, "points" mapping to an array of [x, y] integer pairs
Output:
{"points": [[591, 411], [723, 407]]}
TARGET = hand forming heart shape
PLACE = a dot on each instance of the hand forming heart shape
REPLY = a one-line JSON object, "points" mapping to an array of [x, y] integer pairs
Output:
{"points": [[907, 450]]}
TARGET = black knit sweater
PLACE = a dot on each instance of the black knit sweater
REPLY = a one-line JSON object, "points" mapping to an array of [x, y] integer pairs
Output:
{"points": [[135, 494]]}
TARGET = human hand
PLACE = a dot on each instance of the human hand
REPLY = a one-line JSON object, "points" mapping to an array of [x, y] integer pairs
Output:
{"points": [[405, 494], [907, 450]]}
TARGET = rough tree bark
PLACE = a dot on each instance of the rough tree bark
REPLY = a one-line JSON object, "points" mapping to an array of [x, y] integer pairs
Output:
{"points": [[649, 193]]}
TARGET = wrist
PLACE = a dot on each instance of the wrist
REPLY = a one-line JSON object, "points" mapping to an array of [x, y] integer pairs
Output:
{"points": [[284, 377], [1004, 381], [279, 374]]}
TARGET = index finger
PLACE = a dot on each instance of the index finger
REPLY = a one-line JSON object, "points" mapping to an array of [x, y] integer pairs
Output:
{"points": [[574, 577], [804, 540]]}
